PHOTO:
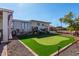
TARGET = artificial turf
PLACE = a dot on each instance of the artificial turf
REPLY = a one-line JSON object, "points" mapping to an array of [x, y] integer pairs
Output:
{"points": [[46, 45]]}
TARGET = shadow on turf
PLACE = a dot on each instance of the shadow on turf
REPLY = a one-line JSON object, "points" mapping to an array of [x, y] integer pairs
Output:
{"points": [[36, 36]]}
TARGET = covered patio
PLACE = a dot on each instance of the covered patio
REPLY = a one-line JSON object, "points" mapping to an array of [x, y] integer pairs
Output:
{"points": [[6, 17]]}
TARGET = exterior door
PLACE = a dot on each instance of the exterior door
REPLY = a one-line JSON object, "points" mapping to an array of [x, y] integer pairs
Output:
{"points": [[1, 36]]}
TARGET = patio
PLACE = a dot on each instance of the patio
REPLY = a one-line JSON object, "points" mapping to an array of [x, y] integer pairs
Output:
{"points": [[3, 49], [5, 24], [15, 48]]}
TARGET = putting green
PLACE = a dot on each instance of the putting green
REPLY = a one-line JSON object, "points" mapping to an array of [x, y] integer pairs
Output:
{"points": [[45, 46], [50, 40]]}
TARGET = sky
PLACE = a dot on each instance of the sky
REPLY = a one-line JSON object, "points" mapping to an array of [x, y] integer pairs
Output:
{"points": [[50, 12]]}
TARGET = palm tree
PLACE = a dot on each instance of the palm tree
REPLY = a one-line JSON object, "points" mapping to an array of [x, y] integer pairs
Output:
{"points": [[76, 25], [70, 28], [68, 19], [77, 19], [73, 23], [61, 21]]}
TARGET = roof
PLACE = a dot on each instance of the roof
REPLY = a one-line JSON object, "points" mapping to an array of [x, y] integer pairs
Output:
{"points": [[30, 21], [20, 20], [6, 10], [39, 21]]}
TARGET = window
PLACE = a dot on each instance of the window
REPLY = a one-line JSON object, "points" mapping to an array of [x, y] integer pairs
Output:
{"points": [[22, 25], [42, 24], [38, 24]]}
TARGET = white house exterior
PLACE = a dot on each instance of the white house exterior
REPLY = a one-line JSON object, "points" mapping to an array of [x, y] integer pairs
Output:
{"points": [[8, 24], [27, 26], [40, 24], [6, 17], [22, 26]]}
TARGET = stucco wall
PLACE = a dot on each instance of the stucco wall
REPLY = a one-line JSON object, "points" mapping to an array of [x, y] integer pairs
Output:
{"points": [[35, 24], [28, 27], [21, 26], [16, 25]]}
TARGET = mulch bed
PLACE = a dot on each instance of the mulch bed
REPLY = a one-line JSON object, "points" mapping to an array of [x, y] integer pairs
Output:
{"points": [[15, 48]]}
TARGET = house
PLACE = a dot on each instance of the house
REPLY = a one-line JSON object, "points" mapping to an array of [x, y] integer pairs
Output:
{"points": [[8, 25], [6, 17], [21, 26], [52, 28], [40, 24]]}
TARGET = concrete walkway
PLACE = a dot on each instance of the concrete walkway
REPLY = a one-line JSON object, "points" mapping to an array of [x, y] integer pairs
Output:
{"points": [[3, 49]]}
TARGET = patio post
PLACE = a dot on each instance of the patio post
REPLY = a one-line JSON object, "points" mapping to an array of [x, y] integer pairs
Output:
{"points": [[10, 24], [5, 26]]}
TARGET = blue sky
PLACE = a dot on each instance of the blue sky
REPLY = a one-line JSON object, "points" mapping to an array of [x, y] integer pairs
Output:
{"points": [[46, 12]]}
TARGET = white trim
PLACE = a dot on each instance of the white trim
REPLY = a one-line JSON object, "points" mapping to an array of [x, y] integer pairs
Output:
{"points": [[6, 10], [28, 48], [5, 26]]}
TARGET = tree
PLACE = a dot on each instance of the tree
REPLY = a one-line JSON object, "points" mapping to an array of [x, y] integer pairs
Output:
{"points": [[73, 23], [68, 19], [70, 28], [61, 21], [76, 24]]}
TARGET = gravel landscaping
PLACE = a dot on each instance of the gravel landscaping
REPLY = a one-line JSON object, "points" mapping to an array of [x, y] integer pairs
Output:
{"points": [[15, 48]]}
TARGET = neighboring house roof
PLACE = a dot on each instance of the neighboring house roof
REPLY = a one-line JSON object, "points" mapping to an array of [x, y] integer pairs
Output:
{"points": [[39, 21], [60, 28], [20, 20], [52, 28], [31, 21]]}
